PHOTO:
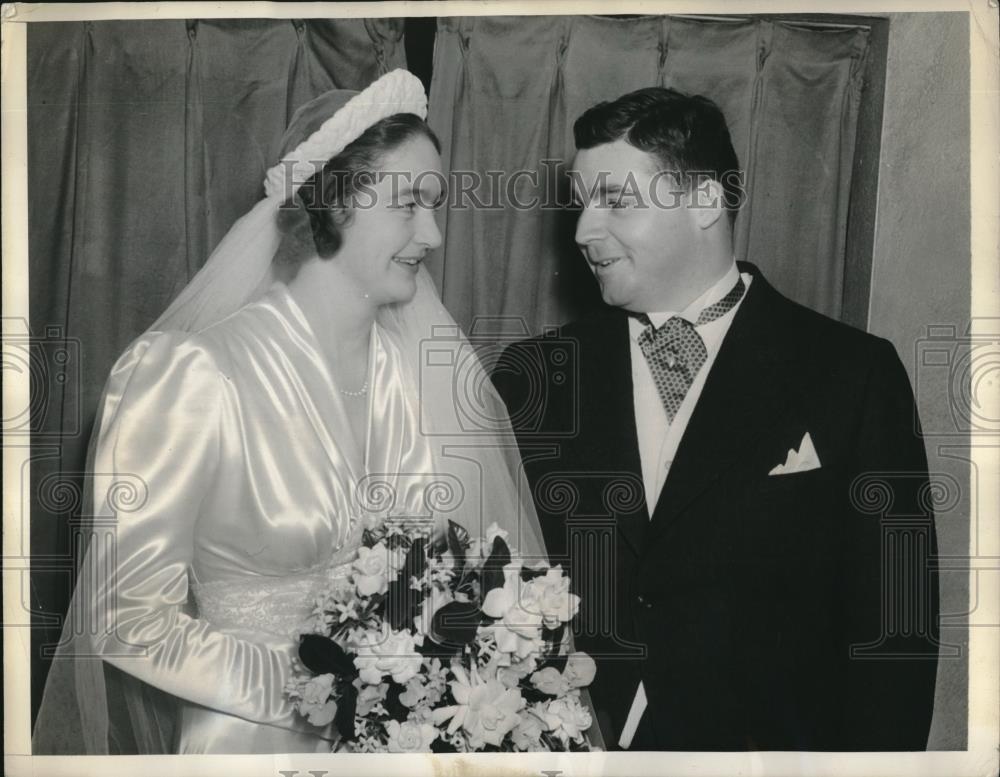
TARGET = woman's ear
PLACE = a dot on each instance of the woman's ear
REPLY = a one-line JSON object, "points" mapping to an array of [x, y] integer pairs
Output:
{"points": [[340, 215]]}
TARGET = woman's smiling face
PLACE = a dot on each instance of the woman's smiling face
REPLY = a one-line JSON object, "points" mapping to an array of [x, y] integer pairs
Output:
{"points": [[392, 223]]}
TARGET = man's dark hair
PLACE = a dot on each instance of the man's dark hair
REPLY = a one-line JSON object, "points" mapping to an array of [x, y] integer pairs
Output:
{"points": [[687, 134]]}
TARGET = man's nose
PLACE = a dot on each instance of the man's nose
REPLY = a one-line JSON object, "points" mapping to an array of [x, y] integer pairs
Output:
{"points": [[589, 226]]}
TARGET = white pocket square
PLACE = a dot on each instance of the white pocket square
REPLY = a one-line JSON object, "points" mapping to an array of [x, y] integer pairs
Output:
{"points": [[801, 460]]}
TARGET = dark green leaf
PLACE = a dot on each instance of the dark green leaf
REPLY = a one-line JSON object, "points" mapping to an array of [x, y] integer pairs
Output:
{"points": [[552, 743], [416, 560], [578, 747], [492, 575], [527, 575], [531, 694], [347, 706], [439, 543], [321, 655], [396, 709], [458, 539], [455, 624], [401, 604], [432, 649], [440, 745]]}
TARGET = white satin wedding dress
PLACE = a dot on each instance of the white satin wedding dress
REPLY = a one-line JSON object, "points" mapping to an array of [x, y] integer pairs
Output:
{"points": [[252, 478]]}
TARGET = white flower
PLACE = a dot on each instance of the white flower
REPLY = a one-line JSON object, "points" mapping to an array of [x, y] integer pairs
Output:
{"points": [[567, 717], [528, 731], [441, 571], [519, 633], [375, 567], [415, 692], [369, 696], [410, 737], [499, 600], [487, 711], [551, 681], [580, 669], [386, 652], [421, 714], [316, 704], [318, 689], [549, 596], [512, 674]]}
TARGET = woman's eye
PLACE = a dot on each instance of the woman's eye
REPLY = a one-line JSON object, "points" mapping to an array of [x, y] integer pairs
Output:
{"points": [[621, 202]]}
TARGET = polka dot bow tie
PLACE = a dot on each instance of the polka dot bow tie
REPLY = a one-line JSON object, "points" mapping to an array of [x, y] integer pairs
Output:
{"points": [[675, 352]]}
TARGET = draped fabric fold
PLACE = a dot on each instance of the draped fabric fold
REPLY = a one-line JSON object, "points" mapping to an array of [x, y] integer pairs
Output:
{"points": [[790, 93]]}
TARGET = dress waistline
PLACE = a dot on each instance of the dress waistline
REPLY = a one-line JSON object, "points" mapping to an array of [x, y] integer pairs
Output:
{"points": [[270, 606]]}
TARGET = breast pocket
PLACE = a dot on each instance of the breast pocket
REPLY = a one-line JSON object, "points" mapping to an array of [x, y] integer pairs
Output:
{"points": [[790, 517], [792, 482]]}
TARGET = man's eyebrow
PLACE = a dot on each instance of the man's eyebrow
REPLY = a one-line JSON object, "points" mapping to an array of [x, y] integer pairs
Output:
{"points": [[424, 194], [603, 189]]}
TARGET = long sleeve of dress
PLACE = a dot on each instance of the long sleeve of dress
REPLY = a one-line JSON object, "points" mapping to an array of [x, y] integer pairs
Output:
{"points": [[157, 454]]}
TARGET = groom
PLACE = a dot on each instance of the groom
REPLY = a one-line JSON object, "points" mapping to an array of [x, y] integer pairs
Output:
{"points": [[736, 482]]}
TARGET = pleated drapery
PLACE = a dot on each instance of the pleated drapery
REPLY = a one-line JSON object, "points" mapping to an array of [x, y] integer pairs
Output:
{"points": [[506, 91], [146, 141]]}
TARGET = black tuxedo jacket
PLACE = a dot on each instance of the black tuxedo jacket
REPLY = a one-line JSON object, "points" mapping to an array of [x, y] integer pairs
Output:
{"points": [[764, 612]]}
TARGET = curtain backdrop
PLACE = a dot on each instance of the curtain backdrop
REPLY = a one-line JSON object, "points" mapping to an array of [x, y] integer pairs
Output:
{"points": [[506, 91], [146, 140]]}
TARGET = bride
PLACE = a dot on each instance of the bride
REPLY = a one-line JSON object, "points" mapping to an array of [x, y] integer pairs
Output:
{"points": [[274, 407]]}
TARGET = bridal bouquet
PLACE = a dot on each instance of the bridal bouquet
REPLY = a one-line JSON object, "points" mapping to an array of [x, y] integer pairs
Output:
{"points": [[444, 645]]}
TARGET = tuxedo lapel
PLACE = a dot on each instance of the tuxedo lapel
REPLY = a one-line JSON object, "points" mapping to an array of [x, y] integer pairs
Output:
{"points": [[609, 414], [748, 386]]}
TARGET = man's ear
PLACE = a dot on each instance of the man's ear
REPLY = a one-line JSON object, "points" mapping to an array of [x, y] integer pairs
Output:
{"points": [[708, 200]]}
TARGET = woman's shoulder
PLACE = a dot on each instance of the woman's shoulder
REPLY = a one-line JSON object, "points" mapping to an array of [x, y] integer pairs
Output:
{"points": [[213, 349], [259, 320], [167, 355]]}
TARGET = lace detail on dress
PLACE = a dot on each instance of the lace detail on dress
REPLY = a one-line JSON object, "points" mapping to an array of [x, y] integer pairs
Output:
{"points": [[268, 605]]}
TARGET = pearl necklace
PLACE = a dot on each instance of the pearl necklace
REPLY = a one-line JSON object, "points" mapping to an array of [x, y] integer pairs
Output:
{"points": [[359, 393]]}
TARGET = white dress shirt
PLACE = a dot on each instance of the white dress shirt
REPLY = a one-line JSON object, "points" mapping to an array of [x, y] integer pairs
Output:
{"points": [[658, 437]]}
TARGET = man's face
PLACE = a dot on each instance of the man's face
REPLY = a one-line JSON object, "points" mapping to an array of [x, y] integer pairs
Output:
{"points": [[637, 230]]}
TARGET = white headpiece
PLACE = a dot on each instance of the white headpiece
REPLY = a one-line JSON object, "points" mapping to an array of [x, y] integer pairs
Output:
{"points": [[395, 92]]}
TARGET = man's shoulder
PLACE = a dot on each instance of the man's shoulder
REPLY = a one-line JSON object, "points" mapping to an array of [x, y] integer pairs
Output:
{"points": [[589, 328], [824, 337]]}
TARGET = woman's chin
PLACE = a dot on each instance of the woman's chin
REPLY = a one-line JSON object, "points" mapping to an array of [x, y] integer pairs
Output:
{"points": [[403, 291]]}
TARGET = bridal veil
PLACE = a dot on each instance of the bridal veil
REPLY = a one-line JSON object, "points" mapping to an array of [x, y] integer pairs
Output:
{"points": [[90, 708]]}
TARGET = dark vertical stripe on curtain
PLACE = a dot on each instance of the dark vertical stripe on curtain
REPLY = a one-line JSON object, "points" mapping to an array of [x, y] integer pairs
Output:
{"points": [[146, 141], [805, 123], [506, 91]]}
